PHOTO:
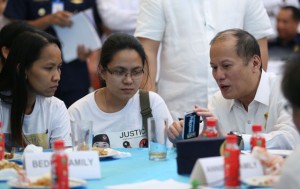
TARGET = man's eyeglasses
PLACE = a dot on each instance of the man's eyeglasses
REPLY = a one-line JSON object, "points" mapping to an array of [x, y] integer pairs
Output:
{"points": [[123, 73]]}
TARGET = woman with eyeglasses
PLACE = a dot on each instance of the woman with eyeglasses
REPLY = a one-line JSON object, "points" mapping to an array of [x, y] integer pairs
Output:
{"points": [[115, 109]]}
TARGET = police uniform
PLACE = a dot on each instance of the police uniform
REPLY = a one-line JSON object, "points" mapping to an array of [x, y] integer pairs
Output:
{"points": [[75, 81]]}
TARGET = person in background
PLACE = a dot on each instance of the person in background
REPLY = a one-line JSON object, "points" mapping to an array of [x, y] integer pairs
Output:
{"points": [[116, 109], [184, 29], [288, 40], [118, 16], [291, 90], [75, 80], [29, 112], [273, 7], [7, 34], [247, 96]]}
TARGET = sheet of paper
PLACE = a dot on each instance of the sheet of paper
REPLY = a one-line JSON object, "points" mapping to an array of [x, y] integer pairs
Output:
{"points": [[82, 164], [82, 32]]}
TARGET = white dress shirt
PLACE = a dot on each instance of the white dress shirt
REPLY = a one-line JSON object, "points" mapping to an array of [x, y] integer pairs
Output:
{"points": [[185, 29], [266, 109]]}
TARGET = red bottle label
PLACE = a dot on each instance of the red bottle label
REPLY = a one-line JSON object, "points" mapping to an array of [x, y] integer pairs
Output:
{"points": [[258, 141], [2, 146], [59, 173], [209, 134], [232, 167]]}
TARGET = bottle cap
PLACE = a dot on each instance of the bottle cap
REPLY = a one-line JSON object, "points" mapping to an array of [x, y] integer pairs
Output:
{"points": [[231, 139], [211, 122], [256, 128], [58, 144]]}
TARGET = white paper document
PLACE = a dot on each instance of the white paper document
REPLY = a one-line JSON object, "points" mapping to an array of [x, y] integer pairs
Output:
{"points": [[82, 32], [150, 184]]}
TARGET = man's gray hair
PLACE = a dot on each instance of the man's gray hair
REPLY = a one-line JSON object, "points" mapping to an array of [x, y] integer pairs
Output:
{"points": [[246, 46]]}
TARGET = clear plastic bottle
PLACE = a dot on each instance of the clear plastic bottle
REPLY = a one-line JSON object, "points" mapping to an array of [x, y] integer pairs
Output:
{"points": [[210, 130], [59, 167], [257, 139], [232, 163], [2, 142]]}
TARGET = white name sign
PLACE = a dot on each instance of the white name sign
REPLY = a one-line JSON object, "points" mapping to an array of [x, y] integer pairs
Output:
{"points": [[210, 171], [82, 164]]}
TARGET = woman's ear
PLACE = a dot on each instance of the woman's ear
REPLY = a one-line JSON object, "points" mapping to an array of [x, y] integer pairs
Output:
{"points": [[5, 51], [18, 71], [101, 72]]}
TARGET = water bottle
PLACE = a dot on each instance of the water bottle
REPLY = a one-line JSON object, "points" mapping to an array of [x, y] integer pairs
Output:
{"points": [[232, 163], [210, 130], [59, 167], [257, 139]]}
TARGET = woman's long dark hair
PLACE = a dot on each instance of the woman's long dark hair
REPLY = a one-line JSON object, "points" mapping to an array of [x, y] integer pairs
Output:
{"points": [[9, 32], [25, 50]]}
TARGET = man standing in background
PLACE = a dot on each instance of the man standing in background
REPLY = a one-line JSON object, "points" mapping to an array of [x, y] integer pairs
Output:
{"points": [[288, 40], [273, 7], [184, 30]]}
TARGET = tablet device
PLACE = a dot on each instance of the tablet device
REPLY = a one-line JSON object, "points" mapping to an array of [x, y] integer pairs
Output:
{"points": [[191, 125]]}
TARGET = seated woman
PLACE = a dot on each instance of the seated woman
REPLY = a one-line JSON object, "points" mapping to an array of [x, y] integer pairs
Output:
{"points": [[115, 109], [28, 81]]}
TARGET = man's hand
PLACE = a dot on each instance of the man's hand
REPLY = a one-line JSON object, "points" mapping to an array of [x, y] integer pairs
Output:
{"points": [[61, 18], [203, 112], [83, 53]]}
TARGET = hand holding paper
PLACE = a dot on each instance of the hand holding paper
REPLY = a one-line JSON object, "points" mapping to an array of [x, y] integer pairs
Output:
{"points": [[82, 32]]}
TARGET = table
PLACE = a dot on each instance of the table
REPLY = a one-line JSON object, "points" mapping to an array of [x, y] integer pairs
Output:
{"points": [[137, 168]]}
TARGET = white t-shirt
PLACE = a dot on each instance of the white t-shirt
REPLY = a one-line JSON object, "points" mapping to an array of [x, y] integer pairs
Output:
{"points": [[267, 109], [185, 29], [122, 129], [49, 121], [290, 172]]}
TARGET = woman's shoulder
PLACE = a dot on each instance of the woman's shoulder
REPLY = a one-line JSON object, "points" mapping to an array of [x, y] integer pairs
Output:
{"points": [[49, 101], [84, 101], [49, 105], [154, 95]]}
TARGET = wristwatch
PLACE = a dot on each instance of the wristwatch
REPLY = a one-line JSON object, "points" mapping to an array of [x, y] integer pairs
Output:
{"points": [[240, 138]]}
